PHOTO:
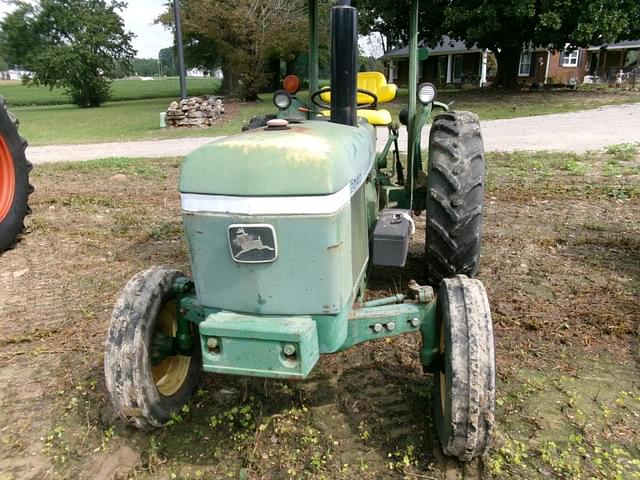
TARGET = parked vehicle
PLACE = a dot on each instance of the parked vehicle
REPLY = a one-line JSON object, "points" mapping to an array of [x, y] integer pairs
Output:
{"points": [[283, 222]]}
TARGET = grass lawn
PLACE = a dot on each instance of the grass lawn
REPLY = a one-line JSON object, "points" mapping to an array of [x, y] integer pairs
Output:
{"points": [[120, 121], [21, 95], [139, 119], [491, 104]]}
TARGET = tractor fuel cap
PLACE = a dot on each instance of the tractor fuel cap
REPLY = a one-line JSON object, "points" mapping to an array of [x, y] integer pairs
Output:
{"points": [[277, 124]]}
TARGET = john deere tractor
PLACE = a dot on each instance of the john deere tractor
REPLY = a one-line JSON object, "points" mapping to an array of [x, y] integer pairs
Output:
{"points": [[14, 179], [283, 223]]}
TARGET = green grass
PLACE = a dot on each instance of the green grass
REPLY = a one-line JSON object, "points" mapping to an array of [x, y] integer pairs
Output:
{"points": [[21, 95], [491, 104], [141, 167], [117, 121], [624, 151], [138, 119]]}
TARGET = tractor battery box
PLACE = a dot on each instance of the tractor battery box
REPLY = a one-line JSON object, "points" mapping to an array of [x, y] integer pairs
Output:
{"points": [[391, 238]]}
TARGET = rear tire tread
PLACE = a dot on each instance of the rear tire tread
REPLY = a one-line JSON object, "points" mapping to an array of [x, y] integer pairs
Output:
{"points": [[12, 226], [455, 186]]}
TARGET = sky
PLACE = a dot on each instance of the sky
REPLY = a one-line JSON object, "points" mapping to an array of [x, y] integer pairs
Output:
{"points": [[140, 14], [138, 18]]}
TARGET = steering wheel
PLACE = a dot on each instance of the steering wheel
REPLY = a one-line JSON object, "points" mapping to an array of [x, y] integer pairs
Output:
{"points": [[318, 102]]}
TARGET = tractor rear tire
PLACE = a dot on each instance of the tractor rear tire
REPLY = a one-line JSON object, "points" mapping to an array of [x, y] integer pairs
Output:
{"points": [[14, 179], [455, 195], [145, 395], [464, 390], [258, 122]]}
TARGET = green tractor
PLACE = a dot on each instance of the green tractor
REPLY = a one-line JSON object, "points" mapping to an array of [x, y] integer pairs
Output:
{"points": [[14, 179], [283, 222]]}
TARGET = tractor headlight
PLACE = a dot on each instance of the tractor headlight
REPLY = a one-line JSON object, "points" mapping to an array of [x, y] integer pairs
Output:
{"points": [[426, 93], [282, 99]]}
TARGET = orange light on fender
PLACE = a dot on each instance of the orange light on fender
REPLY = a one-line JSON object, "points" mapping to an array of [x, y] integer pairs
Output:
{"points": [[291, 84]]}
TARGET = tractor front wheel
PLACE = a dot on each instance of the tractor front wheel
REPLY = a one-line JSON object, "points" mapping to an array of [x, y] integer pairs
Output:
{"points": [[455, 195], [14, 179], [146, 389], [464, 389]]}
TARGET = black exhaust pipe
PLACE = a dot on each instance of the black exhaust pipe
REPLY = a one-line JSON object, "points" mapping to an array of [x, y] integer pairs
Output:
{"points": [[344, 48]]}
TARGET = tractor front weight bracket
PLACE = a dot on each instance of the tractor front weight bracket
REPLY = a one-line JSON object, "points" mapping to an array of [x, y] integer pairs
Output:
{"points": [[371, 323], [184, 340], [376, 319]]}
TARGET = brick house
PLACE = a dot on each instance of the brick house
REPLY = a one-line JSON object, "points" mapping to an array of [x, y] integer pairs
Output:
{"points": [[451, 62], [564, 66], [606, 61]]}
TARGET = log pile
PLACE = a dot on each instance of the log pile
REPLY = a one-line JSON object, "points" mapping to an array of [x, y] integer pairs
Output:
{"points": [[194, 112]]}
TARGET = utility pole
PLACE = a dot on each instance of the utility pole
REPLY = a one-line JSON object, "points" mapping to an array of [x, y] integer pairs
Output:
{"points": [[180, 46]]}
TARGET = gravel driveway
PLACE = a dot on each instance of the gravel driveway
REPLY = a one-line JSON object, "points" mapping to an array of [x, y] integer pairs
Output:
{"points": [[571, 132]]}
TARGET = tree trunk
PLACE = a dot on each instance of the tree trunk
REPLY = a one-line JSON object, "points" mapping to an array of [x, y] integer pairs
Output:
{"points": [[508, 59], [230, 84]]}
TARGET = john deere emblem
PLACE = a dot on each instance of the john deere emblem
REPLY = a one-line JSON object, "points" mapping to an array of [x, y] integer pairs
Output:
{"points": [[253, 243]]}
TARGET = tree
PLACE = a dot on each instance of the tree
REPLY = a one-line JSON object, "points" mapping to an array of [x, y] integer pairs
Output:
{"points": [[145, 67], [391, 21], [74, 44], [508, 26], [242, 36], [168, 62]]}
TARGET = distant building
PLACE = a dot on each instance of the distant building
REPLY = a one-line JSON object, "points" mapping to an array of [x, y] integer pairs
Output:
{"points": [[606, 61], [14, 74], [452, 63]]}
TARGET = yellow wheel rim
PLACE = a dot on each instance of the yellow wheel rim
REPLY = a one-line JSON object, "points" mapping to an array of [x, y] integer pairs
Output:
{"points": [[170, 374], [443, 377]]}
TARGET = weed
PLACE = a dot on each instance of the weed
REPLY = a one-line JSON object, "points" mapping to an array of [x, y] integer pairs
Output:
{"points": [[177, 418], [166, 231], [364, 433], [575, 168], [403, 458], [623, 152], [88, 203], [55, 445]]}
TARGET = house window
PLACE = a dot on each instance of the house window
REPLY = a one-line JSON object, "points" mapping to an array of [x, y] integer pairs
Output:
{"points": [[525, 64], [457, 68], [570, 59]]}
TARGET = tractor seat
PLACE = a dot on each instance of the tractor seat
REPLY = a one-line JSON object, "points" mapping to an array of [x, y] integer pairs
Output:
{"points": [[376, 83], [378, 118]]}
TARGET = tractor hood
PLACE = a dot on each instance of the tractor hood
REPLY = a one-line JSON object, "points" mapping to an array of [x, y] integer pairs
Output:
{"points": [[310, 158]]}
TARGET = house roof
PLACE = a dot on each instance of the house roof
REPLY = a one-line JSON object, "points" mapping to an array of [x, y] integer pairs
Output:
{"points": [[625, 44], [446, 45]]}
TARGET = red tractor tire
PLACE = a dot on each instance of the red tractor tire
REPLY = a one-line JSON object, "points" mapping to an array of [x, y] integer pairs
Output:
{"points": [[14, 179]]}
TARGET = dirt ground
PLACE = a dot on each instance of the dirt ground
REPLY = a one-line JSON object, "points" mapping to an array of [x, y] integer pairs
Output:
{"points": [[561, 263]]}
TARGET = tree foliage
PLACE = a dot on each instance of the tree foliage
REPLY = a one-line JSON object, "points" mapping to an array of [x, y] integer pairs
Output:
{"points": [[167, 59], [508, 26], [78, 45], [145, 67], [242, 37], [391, 21]]}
